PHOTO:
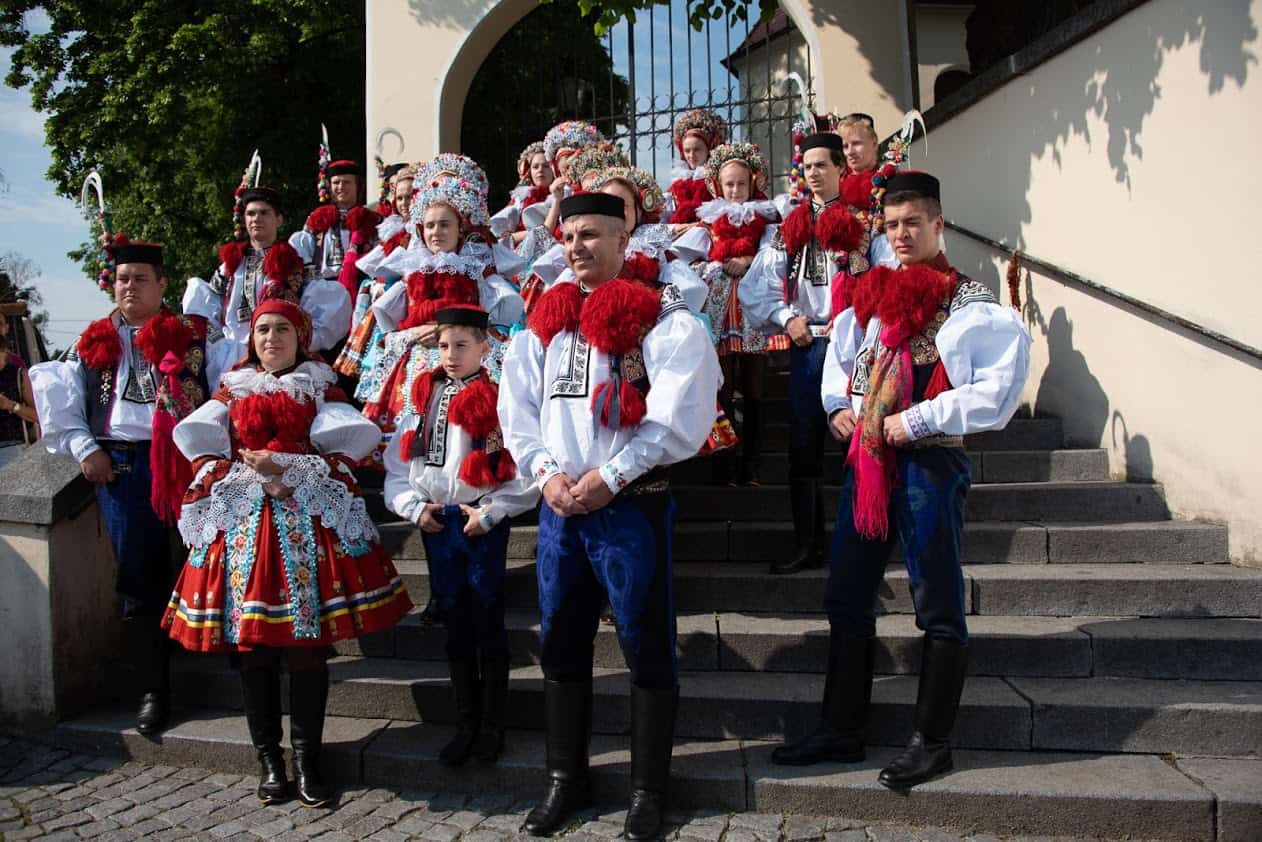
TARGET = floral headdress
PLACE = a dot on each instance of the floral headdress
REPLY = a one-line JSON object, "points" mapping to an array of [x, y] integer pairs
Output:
{"points": [[746, 153], [572, 135], [648, 193], [704, 124], [523, 162], [461, 195], [452, 165], [593, 159]]}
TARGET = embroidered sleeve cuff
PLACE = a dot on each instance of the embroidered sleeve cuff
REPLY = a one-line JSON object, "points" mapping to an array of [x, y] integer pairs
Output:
{"points": [[543, 468], [491, 515], [619, 472], [82, 446], [915, 423]]}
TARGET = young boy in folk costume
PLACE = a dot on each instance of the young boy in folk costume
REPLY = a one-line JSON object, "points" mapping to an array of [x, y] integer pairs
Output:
{"points": [[448, 472], [612, 381], [583, 170], [452, 261], [254, 262], [111, 405], [541, 220], [790, 289], [722, 247], [382, 267], [696, 134], [340, 229], [535, 176], [284, 559], [938, 359]]}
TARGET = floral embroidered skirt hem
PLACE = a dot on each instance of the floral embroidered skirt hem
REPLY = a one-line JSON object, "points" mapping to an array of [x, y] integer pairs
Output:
{"points": [[301, 587], [727, 323]]}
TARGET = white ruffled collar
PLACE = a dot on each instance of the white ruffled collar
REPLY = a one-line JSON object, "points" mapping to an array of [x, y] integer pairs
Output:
{"points": [[681, 171], [471, 260], [389, 226], [650, 241], [306, 382], [737, 213]]}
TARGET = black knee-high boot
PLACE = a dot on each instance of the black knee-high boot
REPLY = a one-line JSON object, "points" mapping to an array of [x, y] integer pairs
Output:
{"points": [[928, 754], [807, 502], [568, 706], [490, 741], [148, 649], [465, 691], [844, 713], [652, 738], [751, 442], [308, 697], [260, 689]]}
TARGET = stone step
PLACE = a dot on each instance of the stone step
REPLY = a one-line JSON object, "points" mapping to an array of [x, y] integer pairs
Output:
{"points": [[1222, 718], [987, 466], [1135, 796], [985, 542], [1203, 649], [1020, 434], [1034, 501], [1087, 590]]}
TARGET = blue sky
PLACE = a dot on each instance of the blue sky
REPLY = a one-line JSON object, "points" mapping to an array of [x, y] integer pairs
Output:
{"points": [[38, 224]]}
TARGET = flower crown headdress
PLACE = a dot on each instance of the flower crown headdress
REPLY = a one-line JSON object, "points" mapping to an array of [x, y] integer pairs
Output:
{"points": [[745, 153], [571, 134], [648, 193], [702, 122]]}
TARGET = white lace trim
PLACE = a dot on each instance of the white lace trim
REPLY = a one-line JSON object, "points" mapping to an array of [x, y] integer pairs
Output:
{"points": [[319, 495], [737, 213], [230, 500], [390, 226], [470, 261], [680, 170], [306, 382], [651, 241]]}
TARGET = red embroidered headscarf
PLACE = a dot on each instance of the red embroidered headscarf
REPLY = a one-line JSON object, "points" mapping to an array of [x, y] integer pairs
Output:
{"points": [[292, 313]]}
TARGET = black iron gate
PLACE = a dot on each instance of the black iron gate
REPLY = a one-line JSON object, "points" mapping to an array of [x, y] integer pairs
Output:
{"points": [[634, 81]]}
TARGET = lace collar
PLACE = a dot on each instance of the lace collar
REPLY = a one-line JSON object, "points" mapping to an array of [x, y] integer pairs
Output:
{"points": [[737, 213], [307, 381]]}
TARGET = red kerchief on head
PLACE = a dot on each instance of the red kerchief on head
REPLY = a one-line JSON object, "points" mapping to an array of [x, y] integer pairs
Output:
{"points": [[293, 313]]}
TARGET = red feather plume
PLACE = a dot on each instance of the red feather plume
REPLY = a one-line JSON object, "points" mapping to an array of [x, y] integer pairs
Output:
{"points": [[641, 267], [911, 298], [231, 255], [856, 189], [164, 334], [407, 445], [796, 229], [272, 421], [838, 229], [281, 263], [362, 223], [557, 310], [473, 409], [617, 315], [322, 218], [98, 345]]}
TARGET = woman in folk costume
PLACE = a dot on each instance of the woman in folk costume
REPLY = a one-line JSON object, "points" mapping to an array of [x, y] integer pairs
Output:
{"points": [[535, 177], [451, 261], [542, 219], [722, 247], [582, 171], [284, 559], [696, 134], [382, 266]]}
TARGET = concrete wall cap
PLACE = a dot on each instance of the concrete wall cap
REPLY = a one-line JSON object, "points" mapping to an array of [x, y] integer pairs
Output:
{"points": [[39, 488]]}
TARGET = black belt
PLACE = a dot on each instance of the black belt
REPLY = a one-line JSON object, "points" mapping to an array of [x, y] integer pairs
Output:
{"points": [[656, 481]]}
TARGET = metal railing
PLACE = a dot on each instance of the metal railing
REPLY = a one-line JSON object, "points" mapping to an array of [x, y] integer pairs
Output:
{"points": [[1114, 296]]}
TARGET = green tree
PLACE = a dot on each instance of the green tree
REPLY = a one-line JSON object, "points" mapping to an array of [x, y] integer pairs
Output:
{"points": [[605, 13], [519, 92], [167, 98]]}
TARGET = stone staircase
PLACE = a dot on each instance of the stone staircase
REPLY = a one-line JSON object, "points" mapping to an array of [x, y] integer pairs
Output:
{"points": [[1116, 663]]}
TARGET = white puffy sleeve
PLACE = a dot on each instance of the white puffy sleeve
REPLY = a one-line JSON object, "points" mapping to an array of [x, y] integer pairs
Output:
{"points": [[693, 244], [550, 264], [535, 215], [843, 349], [784, 204], [505, 220], [304, 242], [986, 352], [391, 307], [338, 428], [329, 306], [500, 300], [514, 497], [689, 283], [401, 496], [507, 262], [369, 263], [761, 291], [202, 299], [204, 432], [520, 405], [681, 405], [61, 400]]}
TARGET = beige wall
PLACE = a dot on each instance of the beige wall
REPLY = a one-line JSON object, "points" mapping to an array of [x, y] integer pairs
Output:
{"points": [[1120, 159], [423, 54], [939, 45]]}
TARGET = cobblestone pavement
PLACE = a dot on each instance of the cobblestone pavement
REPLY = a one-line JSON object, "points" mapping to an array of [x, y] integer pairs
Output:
{"points": [[47, 793]]}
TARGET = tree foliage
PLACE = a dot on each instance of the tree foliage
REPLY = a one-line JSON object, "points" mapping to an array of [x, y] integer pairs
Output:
{"points": [[169, 97], [17, 283], [547, 68], [605, 13]]}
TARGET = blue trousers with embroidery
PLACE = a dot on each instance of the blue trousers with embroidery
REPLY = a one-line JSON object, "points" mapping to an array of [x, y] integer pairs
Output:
{"points": [[926, 512], [141, 542], [622, 551], [808, 424], [467, 575]]}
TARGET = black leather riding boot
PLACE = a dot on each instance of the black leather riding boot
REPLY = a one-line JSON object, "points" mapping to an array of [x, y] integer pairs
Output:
{"points": [[568, 707], [928, 754], [844, 713]]}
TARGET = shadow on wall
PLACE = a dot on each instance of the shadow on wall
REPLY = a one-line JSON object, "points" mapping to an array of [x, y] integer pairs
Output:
{"points": [[1067, 375], [445, 12]]}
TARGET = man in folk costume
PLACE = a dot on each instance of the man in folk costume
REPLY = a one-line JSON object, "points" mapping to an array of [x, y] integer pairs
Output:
{"points": [[111, 405], [939, 359], [789, 289], [612, 381], [257, 265], [339, 230]]}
